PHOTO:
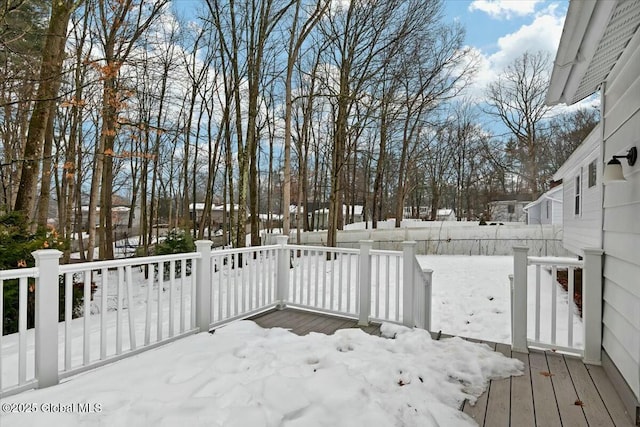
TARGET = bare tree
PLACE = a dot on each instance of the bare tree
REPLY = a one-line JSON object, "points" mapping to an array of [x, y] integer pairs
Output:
{"points": [[120, 24], [49, 85], [22, 30], [517, 99], [296, 40]]}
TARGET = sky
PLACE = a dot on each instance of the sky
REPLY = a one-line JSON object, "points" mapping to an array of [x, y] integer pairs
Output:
{"points": [[498, 31]]}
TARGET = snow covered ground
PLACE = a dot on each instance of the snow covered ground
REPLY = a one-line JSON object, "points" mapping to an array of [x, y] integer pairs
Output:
{"points": [[471, 298], [244, 375]]}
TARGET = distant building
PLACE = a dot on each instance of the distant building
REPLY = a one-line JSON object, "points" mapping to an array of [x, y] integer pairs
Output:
{"points": [[547, 209], [508, 210], [322, 215], [445, 215], [413, 212], [424, 212], [119, 215]]}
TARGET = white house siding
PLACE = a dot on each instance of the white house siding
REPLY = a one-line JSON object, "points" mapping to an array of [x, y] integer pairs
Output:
{"points": [[547, 209], [621, 315], [534, 214], [553, 199], [557, 214], [583, 230]]}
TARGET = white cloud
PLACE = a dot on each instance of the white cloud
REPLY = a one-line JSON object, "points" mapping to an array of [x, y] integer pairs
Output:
{"points": [[543, 34], [504, 9]]}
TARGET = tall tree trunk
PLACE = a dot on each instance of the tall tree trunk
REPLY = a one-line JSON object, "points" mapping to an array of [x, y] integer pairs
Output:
{"points": [[49, 85], [45, 183]]}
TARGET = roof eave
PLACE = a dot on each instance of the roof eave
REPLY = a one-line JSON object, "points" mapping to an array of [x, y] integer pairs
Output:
{"points": [[584, 26]]}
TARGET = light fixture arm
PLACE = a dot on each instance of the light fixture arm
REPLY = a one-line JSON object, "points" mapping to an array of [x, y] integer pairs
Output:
{"points": [[631, 156]]}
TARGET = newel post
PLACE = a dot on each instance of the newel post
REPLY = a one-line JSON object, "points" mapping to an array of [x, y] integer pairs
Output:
{"points": [[408, 282], [592, 305], [46, 325], [364, 285], [203, 285], [519, 300], [282, 272]]}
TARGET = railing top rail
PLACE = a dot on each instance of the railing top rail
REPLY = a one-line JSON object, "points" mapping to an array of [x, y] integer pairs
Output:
{"points": [[95, 265], [248, 249], [19, 273], [323, 249], [385, 252], [559, 261]]}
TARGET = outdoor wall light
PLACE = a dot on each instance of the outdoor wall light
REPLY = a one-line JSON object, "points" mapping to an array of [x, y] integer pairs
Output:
{"points": [[613, 169]]}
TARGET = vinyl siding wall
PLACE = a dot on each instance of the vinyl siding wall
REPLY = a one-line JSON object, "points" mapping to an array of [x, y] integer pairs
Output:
{"points": [[621, 309], [582, 230]]}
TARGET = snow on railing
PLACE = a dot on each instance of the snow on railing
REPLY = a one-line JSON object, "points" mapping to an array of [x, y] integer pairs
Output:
{"points": [[554, 321], [135, 304]]}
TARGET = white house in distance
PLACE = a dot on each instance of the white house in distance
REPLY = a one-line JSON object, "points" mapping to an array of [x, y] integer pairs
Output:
{"points": [[600, 50], [509, 209], [322, 215], [445, 215], [547, 209], [581, 175]]}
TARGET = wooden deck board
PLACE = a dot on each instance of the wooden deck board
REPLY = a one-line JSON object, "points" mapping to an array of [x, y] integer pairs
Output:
{"points": [[296, 321], [499, 399], [549, 394], [544, 400], [592, 405], [314, 325], [271, 318], [571, 413], [479, 410], [522, 395], [332, 328], [609, 396]]}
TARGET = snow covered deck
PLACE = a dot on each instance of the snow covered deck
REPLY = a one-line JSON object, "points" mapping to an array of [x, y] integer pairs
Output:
{"points": [[555, 390]]}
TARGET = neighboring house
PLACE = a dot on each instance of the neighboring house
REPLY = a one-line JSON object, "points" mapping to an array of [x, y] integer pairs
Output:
{"points": [[217, 213], [508, 210], [547, 209], [445, 215], [600, 50], [582, 194], [424, 212], [413, 212], [321, 216], [119, 215], [293, 215], [198, 208]]}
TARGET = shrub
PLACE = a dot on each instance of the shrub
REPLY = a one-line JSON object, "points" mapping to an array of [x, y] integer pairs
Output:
{"points": [[176, 242], [16, 244]]}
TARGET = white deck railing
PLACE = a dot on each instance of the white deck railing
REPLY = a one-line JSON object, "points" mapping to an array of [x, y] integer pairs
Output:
{"points": [[136, 304], [124, 314], [555, 319], [324, 278]]}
